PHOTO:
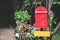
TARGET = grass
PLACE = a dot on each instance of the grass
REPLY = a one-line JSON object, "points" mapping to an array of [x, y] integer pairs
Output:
{"points": [[56, 37]]}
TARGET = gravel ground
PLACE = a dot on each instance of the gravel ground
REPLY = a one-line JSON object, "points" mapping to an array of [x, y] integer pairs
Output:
{"points": [[6, 34]]}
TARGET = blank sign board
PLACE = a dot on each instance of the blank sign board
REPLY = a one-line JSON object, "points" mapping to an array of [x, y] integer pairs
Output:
{"points": [[42, 34]]}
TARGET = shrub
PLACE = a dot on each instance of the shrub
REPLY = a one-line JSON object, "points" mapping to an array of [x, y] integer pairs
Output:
{"points": [[22, 16]]}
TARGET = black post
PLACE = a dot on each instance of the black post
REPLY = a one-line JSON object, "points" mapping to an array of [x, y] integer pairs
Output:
{"points": [[51, 38], [41, 38]]}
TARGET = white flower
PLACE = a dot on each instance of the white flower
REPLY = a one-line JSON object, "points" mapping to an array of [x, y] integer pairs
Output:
{"points": [[17, 35]]}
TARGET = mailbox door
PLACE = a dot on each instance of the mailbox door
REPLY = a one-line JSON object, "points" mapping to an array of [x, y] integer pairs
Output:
{"points": [[41, 20]]}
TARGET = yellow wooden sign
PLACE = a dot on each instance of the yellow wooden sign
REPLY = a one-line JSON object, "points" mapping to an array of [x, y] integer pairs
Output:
{"points": [[42, 33]]}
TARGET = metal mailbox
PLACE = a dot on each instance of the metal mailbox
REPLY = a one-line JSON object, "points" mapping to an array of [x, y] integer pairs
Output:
{"points": [[41, 17]]}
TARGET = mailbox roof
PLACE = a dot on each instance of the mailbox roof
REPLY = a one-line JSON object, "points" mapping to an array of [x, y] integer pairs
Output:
{"points": [[41, 9]]}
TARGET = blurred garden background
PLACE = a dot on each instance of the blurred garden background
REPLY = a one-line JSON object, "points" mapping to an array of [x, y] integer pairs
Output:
{"points": [[13, 12]]}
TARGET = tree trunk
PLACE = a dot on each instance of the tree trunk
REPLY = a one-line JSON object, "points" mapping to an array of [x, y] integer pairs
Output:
{"points": [[56, 29]]}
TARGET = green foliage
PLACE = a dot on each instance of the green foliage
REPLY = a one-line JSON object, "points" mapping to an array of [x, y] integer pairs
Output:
{"points": [[56, 37], [56, 2], [30, 35], [55, 21], [26, 4], [22, 16], [52, 21]]}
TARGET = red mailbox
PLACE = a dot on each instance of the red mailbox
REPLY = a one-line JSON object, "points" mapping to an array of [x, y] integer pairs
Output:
{"points": [[41, 17]]}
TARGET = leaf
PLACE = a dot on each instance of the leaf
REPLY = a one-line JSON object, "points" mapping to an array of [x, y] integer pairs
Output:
{"points": [[54, 22], [28, 35], [22, 16]]}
